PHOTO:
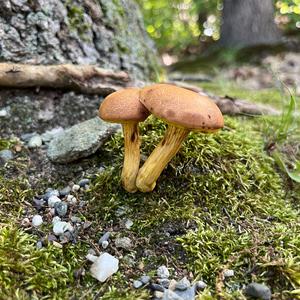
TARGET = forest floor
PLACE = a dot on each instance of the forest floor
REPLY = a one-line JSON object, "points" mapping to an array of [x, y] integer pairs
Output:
{"points": [[225, 202]]}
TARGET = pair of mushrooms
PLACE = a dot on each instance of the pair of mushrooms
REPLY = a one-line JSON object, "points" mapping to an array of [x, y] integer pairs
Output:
{"points": [[183, 111]]}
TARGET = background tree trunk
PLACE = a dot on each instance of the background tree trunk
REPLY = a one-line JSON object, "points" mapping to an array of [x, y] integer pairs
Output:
{"points": [[248, 23], [107, 33]]}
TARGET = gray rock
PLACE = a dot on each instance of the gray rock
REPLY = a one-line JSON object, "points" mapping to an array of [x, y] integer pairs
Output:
{"points": [[50, 192], [137, 284], [165, 282], [35, 142], [75, 219], [258, 290], [6, 155], [61, 227], [75, 187], [128, 223], [145, 279], [39, 245], [53, 200], [61, 208], [5, 112], [170, 295], [37, 221], [104, 244], [65, 191], [71, 199], [27, 136], [228, 273], [200, 285], [123, 242], [163, 272], [104, 237], [80, 140], [183, 284], [157, 287], [188, 294], [83, 182]]}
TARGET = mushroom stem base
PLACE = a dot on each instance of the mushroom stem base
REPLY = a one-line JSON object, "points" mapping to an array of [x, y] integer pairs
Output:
{"points": [[131, 156], [160, 157]]}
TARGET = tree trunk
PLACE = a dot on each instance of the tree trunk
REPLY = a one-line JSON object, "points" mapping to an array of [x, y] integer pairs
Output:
{"points": [[109, 34], [248, 23]]}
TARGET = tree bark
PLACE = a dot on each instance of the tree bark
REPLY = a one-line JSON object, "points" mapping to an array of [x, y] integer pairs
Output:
{"points": [[248, 23]]}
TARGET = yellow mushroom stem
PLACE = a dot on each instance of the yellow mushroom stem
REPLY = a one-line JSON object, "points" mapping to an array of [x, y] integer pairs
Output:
{"points": [[160, 157], [131, 156]]}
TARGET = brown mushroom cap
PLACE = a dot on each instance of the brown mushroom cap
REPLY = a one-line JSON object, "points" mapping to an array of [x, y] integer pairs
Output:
{"points": [[182, 108], [123, 107]]}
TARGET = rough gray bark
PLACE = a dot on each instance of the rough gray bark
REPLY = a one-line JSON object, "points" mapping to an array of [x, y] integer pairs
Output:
{"points": [[248, 23], [109, 34]]}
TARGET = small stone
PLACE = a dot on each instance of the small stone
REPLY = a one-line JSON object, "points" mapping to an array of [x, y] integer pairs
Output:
{"points": [[61, 208], [60, 227], [104, 244], [75, 187], [259, 291], [228, 273], [27, 136], [183, 284], [137, 284], [163, 272], [56, 219], [53, 200], [170, 295], [6, 155], [104, 237], [37, 221], [25, 222], [65, 191], [91, 257], [57, 245], [39, 245], [104, 266], [83, 182], [145, 279], [158, 294], [188, 294], [38, 203], [4, 112], [50, 134], [87, 224], [200, 285], [51, 238], [35, 142], [49, 193], [164, 282], [156, 287], [75, 219], [128, 224], [71, 199], [172, 284], [123, 242], [64, 238]]}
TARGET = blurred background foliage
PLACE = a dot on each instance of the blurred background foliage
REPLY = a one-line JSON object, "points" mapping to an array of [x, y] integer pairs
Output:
{"points": [[178, 26]]}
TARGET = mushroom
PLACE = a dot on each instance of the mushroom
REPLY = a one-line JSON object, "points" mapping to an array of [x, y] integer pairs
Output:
{"points": [[184, 111], [124, 107]]}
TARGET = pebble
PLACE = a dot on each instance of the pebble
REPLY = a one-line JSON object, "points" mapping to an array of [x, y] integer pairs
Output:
{"points": [[57, 245], [39, 245], [123, 242], [163, 272], [188, 294], [38, 203], [157, 287], [228, 273], [200, 285], [104, 237], [37, 221], [137, 284], [56, 219], [50, 192], [145, 279], [4, 112], [170, 295], [61, 208], [65, 191], [83, 182], [258, 290], [60, 227], [71, 199], [91, 257], [50, 134], [104, 244], [172, 284], [6, 155], [35, 142], [128, 224], [75, 187], [104, 266], [183, 284], [164, 282], [27, 136], [51, 238], [25, 222], [53, 200], [75, 219], [158, 295]]}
